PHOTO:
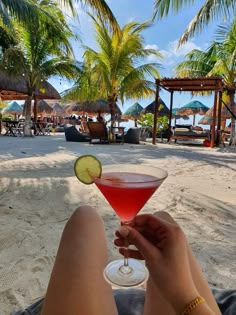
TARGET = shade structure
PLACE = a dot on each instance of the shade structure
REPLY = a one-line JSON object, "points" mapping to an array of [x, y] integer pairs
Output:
{"points": [[133, 112], [13, 108], [225, 114], [58, 110], [99, 106], [178, 116], [15, 88], [193, 108], [151, 108], [44, 108], [205, 120]]}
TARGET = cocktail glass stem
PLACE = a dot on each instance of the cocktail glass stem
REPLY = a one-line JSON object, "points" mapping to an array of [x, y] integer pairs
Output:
{"points": [[126, 269]]}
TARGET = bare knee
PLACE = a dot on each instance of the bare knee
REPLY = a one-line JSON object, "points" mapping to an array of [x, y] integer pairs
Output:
{"points": [[84, 215]]}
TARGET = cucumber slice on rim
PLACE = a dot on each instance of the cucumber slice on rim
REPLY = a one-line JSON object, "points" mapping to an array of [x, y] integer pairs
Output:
{"points": [[86, 167]]}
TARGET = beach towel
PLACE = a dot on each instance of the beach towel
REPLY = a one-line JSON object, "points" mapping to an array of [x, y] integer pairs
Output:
{"points": [[131, 301]]}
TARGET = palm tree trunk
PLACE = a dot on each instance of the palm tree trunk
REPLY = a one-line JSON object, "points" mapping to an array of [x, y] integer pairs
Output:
{"points": [[28, 123], [112, 107]]}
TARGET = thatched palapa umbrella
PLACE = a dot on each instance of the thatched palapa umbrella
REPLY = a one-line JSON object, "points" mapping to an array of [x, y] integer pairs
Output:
{"points": [[176, 116], [205, 120], [133, 112], [99, 107], [13, 108], [164, 111], [58, 110], [15, 88], [225, 114], [44, 108], [193, 108]]}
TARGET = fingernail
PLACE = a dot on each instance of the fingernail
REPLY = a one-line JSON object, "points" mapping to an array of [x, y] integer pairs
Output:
{"points": [[123, 231]]}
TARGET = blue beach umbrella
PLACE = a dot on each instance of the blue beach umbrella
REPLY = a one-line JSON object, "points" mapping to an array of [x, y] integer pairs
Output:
{"points": [[13, 109], [176, 116], [133, 112], [193, 108]]}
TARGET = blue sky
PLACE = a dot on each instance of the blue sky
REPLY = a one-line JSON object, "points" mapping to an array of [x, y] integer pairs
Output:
{"points": [[163, 35]]}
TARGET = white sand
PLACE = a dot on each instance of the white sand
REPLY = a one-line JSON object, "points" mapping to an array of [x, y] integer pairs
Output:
{"points": [[38, 193]]}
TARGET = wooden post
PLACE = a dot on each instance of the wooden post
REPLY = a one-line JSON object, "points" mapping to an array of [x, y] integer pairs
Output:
{"points": [[171, 106], [214, 120], [218, 139], [154, 130]]}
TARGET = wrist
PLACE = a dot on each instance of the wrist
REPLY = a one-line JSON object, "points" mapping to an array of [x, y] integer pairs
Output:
{"points": [[181, 299]]}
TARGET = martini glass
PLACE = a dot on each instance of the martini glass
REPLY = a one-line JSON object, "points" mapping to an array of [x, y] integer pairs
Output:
{"points": [[127, 190]]}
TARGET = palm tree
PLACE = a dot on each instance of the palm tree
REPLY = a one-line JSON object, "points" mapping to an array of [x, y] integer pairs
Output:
{"points": [[210, 10], [117, 70], [39, 54], [25, 10], [219, 59]]}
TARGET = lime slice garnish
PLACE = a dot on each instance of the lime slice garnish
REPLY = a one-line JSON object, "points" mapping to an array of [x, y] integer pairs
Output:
{"points": [[87, 167]]}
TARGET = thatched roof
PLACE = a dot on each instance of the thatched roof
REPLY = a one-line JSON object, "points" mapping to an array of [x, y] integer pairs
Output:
{"points": [[15, 88], [99, 106], [58, 110], [224, 113], [151, 108], [43, 107]]}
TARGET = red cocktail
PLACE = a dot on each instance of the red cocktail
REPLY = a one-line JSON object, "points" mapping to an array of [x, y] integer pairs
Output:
{"points": [[127, 191]]}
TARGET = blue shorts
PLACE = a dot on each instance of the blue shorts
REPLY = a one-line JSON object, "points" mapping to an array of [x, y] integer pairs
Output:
{"points": [[131, 301]]}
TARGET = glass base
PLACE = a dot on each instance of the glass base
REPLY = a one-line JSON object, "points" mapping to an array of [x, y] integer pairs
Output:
{"points": [[132, 275]]}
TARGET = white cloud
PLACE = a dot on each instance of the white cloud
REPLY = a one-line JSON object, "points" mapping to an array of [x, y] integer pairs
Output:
{"points": [[153, 58], [173, 54]]}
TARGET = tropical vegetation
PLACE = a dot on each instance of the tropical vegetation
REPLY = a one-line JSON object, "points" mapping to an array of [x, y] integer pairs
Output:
{"points": [[209, 11], [219, 59], [118, 69], [39, 53]]}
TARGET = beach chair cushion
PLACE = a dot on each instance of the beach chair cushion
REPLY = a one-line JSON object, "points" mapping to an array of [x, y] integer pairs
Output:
{"points": [[73, 134], [133, 135], [131, 302]]}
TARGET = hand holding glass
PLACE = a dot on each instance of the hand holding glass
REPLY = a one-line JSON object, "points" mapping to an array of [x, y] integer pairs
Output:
{"points": [[127, 190]]}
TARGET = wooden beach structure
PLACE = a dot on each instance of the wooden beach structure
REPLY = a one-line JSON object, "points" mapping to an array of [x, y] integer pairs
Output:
{"points": [[200, 84], [15, 88]]}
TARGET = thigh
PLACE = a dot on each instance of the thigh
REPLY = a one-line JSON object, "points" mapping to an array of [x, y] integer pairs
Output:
{"points": [[77, 285]]}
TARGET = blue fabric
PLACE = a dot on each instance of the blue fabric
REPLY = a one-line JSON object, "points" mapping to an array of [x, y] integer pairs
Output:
{"points": [[131, 301]]}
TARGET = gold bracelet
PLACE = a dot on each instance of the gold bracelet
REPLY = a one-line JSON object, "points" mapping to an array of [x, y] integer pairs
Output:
{"points": [[192, 305]]}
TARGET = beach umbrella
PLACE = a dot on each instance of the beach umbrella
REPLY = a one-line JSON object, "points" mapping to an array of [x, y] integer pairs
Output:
{"points": [[178, 116], [58, 110], [133, 112], [100, 106], [13, 109], [151, 108], [205, 120], [193, 108], [44, 108], [225, 114]]}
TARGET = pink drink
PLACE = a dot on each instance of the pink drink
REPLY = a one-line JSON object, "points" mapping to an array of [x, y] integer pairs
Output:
{"points": [[127, 192]]}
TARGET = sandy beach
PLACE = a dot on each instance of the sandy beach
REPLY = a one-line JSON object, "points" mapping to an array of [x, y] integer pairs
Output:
{"points": [[38, 193]]}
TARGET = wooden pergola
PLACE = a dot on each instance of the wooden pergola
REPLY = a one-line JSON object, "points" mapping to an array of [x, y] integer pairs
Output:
{"points": [[200, 84]]}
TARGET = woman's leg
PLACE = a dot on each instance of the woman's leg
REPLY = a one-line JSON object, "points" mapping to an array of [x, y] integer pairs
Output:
{"points": [[160, 304], [77, 285]]}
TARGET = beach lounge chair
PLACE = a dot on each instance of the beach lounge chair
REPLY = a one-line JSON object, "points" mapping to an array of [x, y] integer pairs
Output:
{"points": [[133, 135], [72, 134], [98, 131], [186, 132]]}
